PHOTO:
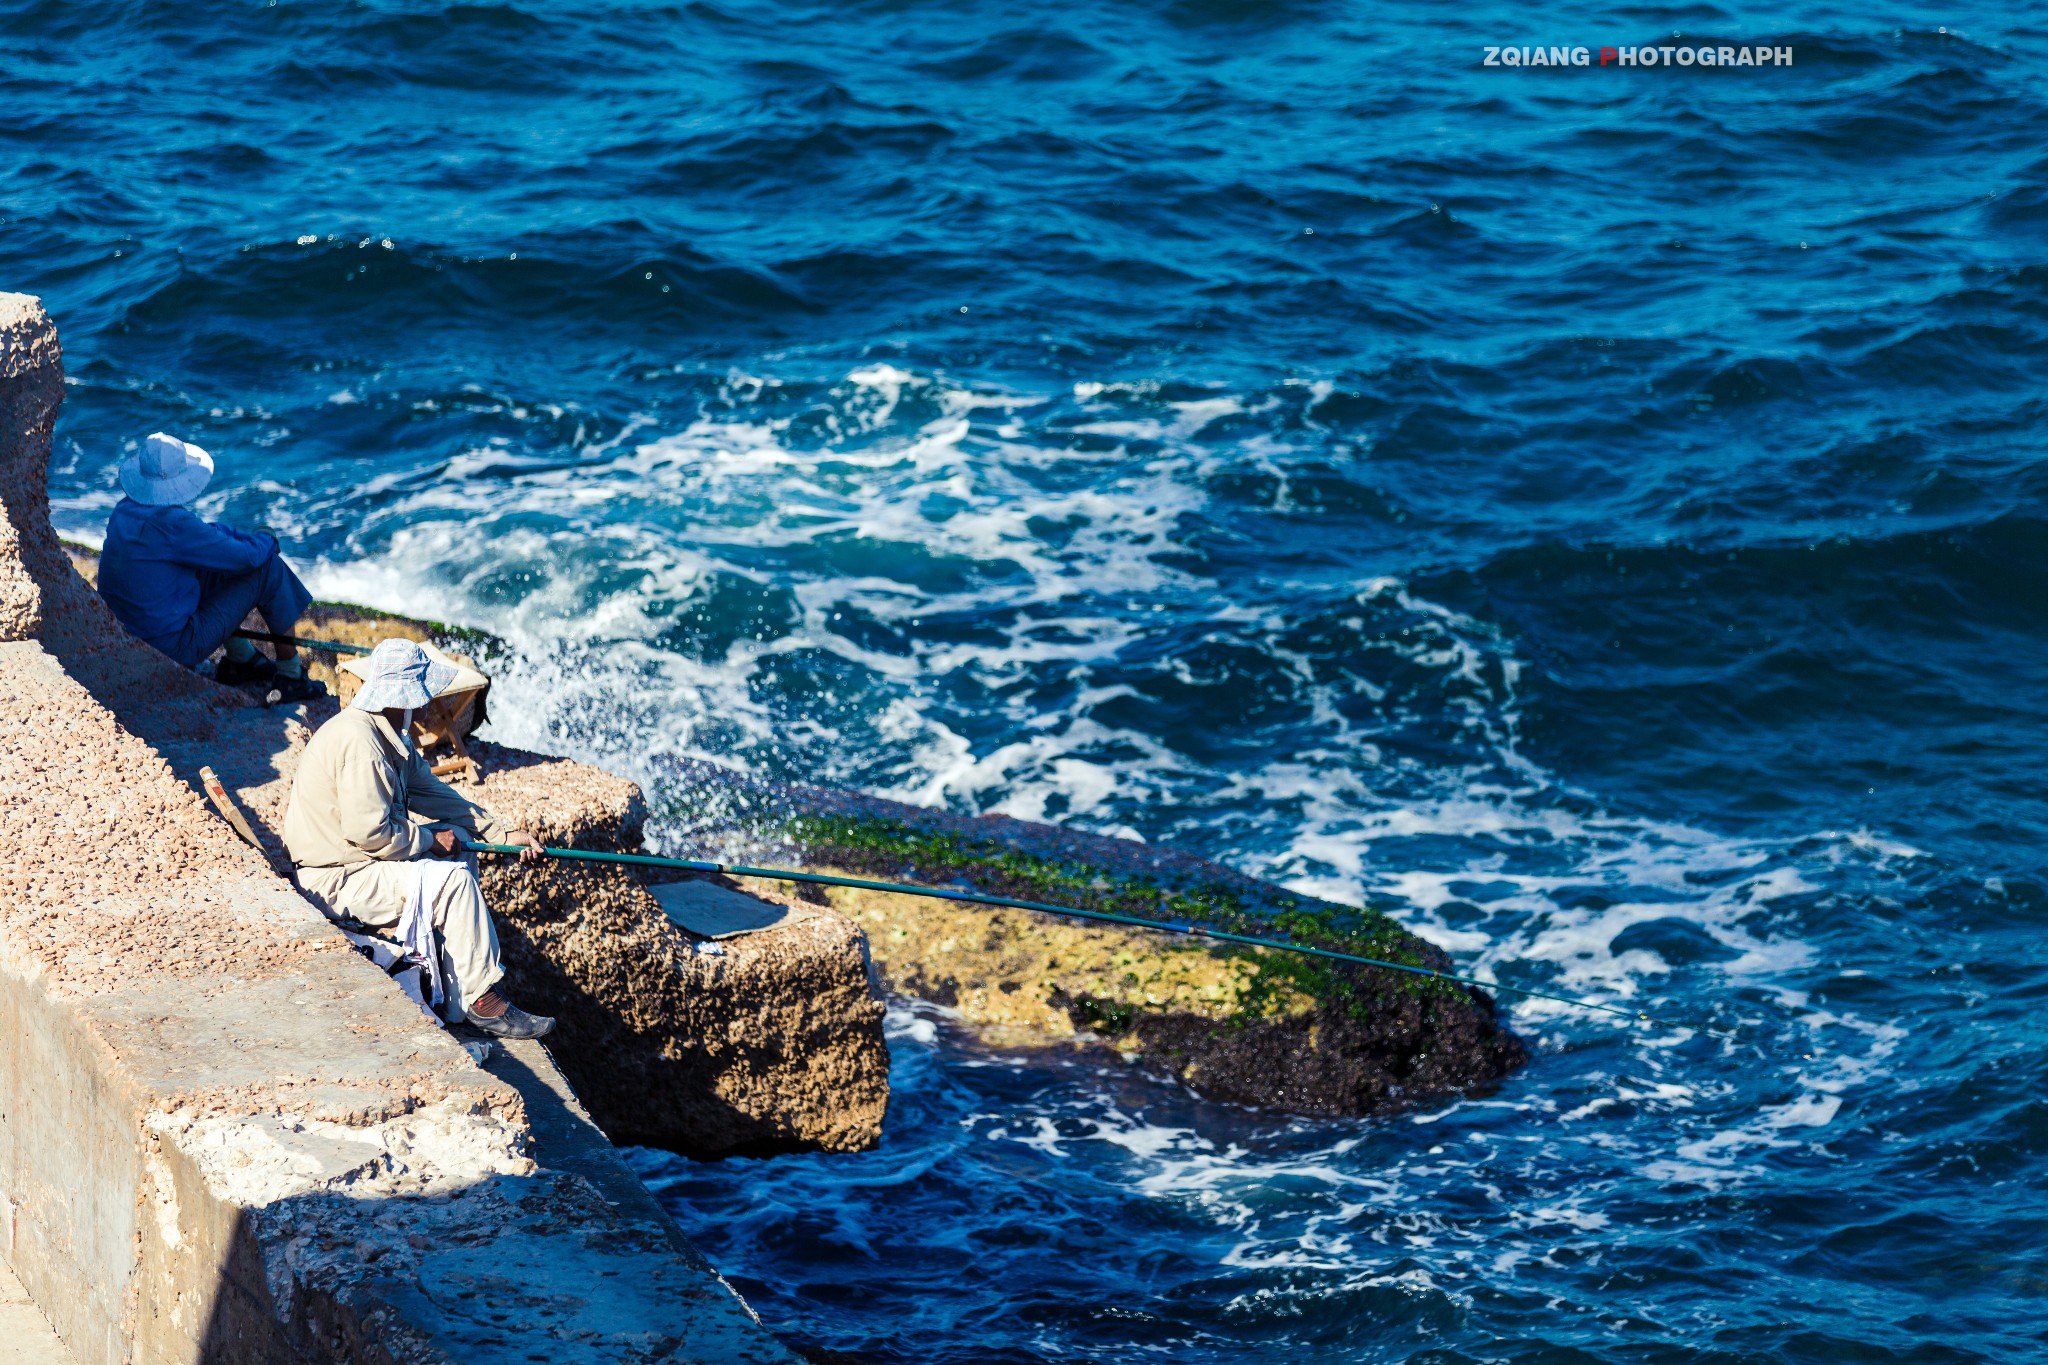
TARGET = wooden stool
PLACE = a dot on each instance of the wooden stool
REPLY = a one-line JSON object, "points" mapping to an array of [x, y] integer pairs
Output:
{"points": [[446, 720]]}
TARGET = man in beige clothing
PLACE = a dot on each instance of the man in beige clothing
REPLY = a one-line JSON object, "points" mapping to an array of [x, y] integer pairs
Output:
{"points": [[359, 854]]}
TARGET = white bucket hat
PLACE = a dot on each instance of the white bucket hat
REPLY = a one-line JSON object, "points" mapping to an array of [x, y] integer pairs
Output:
{"points": [[399, 673], [166, 472]]}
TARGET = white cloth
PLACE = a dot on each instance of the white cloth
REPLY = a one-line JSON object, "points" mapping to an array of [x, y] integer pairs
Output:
{"points": [[416, 921], [397, 965], [379, 893]]}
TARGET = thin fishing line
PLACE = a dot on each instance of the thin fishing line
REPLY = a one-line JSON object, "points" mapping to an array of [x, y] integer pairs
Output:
{"points": [[1106, 916]]}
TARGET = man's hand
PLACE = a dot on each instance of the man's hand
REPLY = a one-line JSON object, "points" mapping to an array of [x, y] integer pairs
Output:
{"points": [[530, 850], [447, 843]]}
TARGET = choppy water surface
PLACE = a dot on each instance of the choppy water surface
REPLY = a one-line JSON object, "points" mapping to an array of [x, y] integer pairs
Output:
{"points": [[1602, 508]]}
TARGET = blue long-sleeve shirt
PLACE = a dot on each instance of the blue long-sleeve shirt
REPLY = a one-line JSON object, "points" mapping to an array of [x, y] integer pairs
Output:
{"points": [[154, 560]]}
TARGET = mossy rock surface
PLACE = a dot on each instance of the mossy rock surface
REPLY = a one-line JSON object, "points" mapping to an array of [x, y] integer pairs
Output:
{"points": [[1237, 1023]]}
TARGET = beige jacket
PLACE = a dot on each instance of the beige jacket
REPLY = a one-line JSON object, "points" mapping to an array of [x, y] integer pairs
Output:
{"points": [[357, 783]]}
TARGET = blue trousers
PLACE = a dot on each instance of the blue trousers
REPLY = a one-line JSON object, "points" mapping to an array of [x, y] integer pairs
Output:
{"points": [[225, 599]]}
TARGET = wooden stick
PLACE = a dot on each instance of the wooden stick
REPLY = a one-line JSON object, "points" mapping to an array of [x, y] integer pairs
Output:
{"points": [[229, 812]]}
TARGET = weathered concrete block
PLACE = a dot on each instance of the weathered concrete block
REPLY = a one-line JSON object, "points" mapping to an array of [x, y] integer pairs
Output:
{"points": [[31, 390]]}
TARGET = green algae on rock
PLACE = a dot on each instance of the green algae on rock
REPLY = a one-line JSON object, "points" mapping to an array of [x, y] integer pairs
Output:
{"points": [[1233, 1022]]}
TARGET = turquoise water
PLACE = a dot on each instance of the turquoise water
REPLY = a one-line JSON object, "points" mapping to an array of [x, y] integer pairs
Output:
{"points": [[1600, 508]]}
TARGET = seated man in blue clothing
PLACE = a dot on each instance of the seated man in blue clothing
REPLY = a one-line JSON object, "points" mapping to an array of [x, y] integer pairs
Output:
{"points": [[184, 585]]}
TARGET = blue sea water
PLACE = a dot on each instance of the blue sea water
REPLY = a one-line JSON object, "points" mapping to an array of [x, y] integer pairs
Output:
{"points": [[1602, 508]]}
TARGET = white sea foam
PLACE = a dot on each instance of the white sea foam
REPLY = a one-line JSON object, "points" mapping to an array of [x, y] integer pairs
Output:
{"points": [[903, 1023]]}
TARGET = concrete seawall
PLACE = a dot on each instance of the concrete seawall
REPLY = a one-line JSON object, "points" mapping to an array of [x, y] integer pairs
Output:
{"points": [[223, 1135]]}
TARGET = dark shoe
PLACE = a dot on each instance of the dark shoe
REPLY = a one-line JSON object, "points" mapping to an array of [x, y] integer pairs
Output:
{"points": [[288, 689], [513, 1023], [256, 670]]}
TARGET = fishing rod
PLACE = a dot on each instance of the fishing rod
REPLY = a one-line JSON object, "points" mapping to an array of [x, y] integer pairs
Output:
{"points": [[335, 645], [1070, 912]]}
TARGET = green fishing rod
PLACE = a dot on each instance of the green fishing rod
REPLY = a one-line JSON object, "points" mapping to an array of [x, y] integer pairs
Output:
{"points": [[1068, 911], [335, 645]]}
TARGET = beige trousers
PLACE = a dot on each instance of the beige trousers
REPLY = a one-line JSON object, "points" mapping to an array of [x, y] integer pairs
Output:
{"points": [[376, 893]]}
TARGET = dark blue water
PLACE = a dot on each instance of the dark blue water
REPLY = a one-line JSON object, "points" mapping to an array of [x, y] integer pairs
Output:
{"points": [[1604, 508]]}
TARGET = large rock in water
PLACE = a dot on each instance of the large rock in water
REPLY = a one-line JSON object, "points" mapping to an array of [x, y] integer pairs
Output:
{"points": [[1241, 1024]]}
